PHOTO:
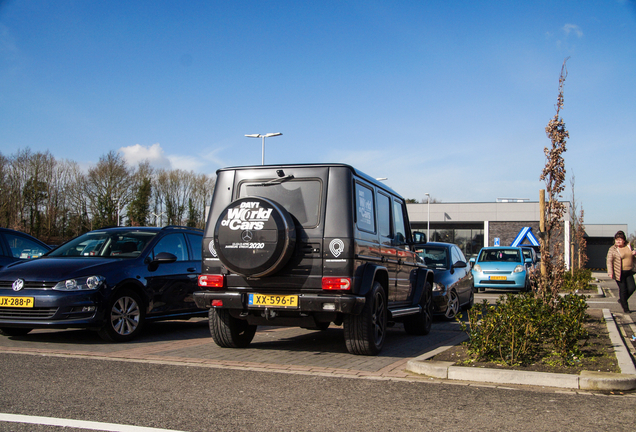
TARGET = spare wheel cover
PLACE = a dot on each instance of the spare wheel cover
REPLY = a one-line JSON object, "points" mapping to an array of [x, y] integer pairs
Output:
{"points": [[254, 236]]}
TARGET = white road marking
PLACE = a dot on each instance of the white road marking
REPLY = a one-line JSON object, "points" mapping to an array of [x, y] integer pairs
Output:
{"points": [[89, 425]]}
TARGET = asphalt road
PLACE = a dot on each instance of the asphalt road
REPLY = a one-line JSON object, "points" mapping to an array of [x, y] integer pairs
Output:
{"points": [[193, 399]]}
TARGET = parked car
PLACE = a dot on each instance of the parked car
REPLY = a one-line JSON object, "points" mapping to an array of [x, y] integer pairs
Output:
{"points": [[501, 267], [16, 246], [111, 280], [310, 245], [453, 280]]}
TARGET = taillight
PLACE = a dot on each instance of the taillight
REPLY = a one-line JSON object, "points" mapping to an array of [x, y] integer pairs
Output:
{"points": [[212, 281], [336, 283]]}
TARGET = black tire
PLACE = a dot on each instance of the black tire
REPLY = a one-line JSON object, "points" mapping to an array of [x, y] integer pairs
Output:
{"points": [[471, 301], [254, 237], [230, 332], [14, 331], [125, 317], [421, 323], [365, 333], [452, 305]]}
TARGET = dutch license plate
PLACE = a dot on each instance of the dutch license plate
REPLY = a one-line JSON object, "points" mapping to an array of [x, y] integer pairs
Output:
{"points": [[498, 278], [269, 300], [17, 302]]}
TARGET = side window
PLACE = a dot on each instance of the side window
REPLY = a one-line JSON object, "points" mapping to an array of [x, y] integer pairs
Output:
{"points": [[196, 244], [364, 208], [398, 224], [174, 244], [461, 255], [457, 255], [384, 216], [22, 247]]}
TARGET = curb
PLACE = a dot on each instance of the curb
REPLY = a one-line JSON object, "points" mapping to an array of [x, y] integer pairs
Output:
{"points": [[586, 380]]}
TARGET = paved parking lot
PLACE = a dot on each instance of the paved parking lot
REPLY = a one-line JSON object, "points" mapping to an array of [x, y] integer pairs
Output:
{"points": [[281, 348], [273, 348]]}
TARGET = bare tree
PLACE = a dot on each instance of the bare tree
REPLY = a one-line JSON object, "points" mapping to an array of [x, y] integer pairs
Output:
{"points": [[108, 189], [553, 175], [579, 244]]}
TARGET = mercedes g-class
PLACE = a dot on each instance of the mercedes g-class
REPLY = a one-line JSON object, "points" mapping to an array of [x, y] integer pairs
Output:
{"points": [[309, 245]]}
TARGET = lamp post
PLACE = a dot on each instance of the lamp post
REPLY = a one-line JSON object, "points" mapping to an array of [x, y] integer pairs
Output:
{"points": [[428, 218], [263, 136]]}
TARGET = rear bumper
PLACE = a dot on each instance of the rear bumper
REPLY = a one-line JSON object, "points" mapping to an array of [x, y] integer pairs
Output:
{"points": [[349, 304]]}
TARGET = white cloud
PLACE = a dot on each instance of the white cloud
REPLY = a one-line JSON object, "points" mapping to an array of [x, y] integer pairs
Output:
{"points": [[186, 163], [154, 155], [573, 28]]}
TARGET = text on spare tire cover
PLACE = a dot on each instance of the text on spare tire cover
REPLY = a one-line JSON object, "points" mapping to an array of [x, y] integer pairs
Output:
{"points": [[249, 216]]}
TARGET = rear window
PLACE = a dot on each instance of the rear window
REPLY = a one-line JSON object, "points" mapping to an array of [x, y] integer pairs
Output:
{"points": [[501, 255], [301, 198], [434, 257]]}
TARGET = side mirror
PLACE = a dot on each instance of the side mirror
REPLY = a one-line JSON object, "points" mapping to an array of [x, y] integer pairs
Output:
{"points": [[164, 258], [460, 264], [419, 237]]}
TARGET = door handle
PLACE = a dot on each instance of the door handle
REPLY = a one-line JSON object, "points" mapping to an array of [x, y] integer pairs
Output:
{"points": [[192, 269]]}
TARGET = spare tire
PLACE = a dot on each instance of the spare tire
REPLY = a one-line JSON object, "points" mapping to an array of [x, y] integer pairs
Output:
{"points": [[254, 236]]}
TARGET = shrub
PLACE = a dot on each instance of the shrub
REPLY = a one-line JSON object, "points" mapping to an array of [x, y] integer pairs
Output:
{"points": [[577, 279], [522, 328]]}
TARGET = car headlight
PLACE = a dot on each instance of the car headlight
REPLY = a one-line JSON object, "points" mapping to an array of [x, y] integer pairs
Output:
{"points": [[519, 269], [86, 283], [477, 268], [438, 287]]}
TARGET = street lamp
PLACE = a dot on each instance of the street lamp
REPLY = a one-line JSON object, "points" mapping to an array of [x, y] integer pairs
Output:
{"points": [[263, 136], [428, 219]]}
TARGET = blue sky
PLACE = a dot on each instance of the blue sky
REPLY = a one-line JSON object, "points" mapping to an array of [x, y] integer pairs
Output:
{"points": [[445, 97]]}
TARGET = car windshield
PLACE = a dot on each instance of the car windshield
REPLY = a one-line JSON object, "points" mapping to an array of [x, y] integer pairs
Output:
{"points": [[499, 255], [301, 198], [434, 257], [105, 244]]}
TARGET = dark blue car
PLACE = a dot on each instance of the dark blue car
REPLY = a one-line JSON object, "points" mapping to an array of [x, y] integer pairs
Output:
{"points": [[453, 281], [111, 280]]}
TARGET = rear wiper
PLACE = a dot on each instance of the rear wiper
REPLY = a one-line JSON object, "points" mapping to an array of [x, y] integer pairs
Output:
{"points": [[275, 181]]}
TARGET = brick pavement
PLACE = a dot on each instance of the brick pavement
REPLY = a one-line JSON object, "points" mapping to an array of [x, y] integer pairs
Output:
{"points": [[282, 349]]}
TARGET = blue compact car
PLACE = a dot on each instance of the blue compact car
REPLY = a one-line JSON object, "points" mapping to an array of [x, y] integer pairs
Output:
{"points": [[501, 267]]}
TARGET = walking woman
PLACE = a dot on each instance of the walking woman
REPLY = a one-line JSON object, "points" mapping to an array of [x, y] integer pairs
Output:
{"points": [[620, 267]]}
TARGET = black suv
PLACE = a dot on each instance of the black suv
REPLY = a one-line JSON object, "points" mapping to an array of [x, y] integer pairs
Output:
{"points": [[308, 245], [110, 280]]}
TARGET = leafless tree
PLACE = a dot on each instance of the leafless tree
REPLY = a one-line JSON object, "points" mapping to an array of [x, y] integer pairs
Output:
{"points": [[553, 175]]}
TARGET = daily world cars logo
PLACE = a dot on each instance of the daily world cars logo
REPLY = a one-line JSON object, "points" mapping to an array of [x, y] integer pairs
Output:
{"points": [[18, 284], [249, 216]]}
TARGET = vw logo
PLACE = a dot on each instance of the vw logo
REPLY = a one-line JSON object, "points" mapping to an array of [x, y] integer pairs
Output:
{"points": [[247, 236], [17, 285]]}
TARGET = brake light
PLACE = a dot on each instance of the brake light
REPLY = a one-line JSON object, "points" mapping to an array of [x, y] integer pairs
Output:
{"points": [[336, 283], [212, 281]]}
